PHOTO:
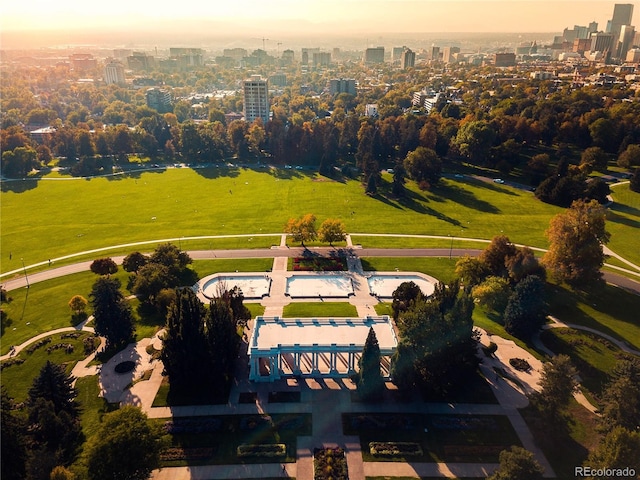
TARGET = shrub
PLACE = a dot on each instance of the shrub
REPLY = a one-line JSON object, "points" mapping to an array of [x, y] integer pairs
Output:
{"points": [[520, 364], [395, 449], [262, 450], [489, 349]]}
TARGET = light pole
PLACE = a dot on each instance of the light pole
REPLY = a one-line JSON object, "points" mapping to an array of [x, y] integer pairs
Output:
{"points": [[26, 277]]}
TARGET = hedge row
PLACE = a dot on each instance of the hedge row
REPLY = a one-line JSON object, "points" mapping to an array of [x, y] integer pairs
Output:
{"points": [[262, 450], [395, 449]]}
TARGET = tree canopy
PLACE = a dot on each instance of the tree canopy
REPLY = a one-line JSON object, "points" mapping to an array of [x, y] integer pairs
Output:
{"points": [[576, 237], [517, 464], [302, 229], [112, 314], [370, 382]]}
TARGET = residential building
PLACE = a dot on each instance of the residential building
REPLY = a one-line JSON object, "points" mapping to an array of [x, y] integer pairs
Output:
{"points": [[159, 99], [278, 80], [287, 57], [83, 62], [633, 55], [602, 42], [187, 57], [114, 73], [408, 59], [256, 99], [322, 59], [140, 61], [396, 55], [448, 54], [308, 53], [435, 54], [342, 85], [371, 109], [504, 59], [374, 55]]}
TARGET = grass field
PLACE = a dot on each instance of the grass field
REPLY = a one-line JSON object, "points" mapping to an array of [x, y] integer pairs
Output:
{"points": [[49, 219], [319, 309], [623, 222]]}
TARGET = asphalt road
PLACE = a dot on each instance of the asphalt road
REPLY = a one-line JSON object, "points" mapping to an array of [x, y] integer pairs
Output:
{"points": [[51, 273]]}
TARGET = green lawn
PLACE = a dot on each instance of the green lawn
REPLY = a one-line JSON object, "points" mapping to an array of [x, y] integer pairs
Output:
{"points": [[48, 219], [441, 268], [319, 309], [18, 378], [208, 267], [623, 222]]}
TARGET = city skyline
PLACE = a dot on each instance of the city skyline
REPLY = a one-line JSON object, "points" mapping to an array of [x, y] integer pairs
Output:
{"points": [[70, 20]]}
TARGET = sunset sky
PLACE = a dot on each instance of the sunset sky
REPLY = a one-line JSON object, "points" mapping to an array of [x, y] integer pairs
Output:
{"points": [[331, 16]]}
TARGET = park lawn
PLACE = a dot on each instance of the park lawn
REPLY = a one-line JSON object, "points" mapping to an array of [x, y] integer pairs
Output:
{"points": [[441, 268], [491, 324], [612, 310], [319, 309], [17, 379], [623, 222], [40, 221], [479, 438], [593, 356], [236, 430], [223, 265], [256, 309], [43, 307], [373, 241]]}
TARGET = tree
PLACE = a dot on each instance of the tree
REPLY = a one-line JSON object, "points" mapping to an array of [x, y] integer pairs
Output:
{"points": [[54, 385], [235, 299], [172, 257], [112, 314], [630, 158], [399, 173], [332, 230], [526, 310], [126, 446], [133, 262], [576, 237], [61, 473], [150, 280], [617, 450], [221, 331], [423, 164], [593, 158], [492, 294], [370, 381], [471, 271], [634, 185], [372, 184], [558, 382], [13, 446], [517, 464], [185, 354], [78, 304], [621, 396], [475, 139], [496, 255], [404, 297], [523, 264], [302, 229], [103, 266]]}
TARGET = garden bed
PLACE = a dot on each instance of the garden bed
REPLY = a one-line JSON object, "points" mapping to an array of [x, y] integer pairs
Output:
{"points": [[268, 450], [319, 264], [395, 449], [329, 464]]}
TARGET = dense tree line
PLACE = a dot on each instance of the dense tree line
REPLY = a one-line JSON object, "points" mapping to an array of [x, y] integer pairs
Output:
{"points": [[96, 124]]}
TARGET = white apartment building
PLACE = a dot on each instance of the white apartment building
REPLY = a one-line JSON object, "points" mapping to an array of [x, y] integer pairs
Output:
{"points": [[256, 99]]}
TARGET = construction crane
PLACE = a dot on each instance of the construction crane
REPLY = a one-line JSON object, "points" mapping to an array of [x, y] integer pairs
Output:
{"points": [[279, 43], [263, 44]]}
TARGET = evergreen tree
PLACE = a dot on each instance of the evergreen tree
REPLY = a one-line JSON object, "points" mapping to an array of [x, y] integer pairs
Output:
{"points": [[112, 314], [370, 381], [621, 397], [126, 447], [223, 340], [526, 309], [404, 297], [13, 445], [558, 383], [185, 353], [54, 385], [372, 184], [619, 449]]}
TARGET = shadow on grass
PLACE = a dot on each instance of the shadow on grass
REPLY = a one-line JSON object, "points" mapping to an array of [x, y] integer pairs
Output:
{"points": [[464, 197], [623, 208], [615, 217], [18, 186], [218, 171]]}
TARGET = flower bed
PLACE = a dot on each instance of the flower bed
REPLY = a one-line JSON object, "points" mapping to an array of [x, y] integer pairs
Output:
{"points": [[178, 454], [193, 425], [520, 364], [395, 449], [40, 343], [11, 362], [319, 264], [329, 464], [262, 450], [67, 347]]}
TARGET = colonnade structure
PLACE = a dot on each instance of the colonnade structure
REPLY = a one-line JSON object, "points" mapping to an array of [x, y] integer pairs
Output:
{"points": [[315, 347]]}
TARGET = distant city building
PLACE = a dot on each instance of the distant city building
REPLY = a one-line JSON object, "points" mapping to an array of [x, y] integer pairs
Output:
{"points": [[581, 45], [528, 48], [256, 99], [602, 42], [622, 15], [121, 53], [235, 53], [371, 109], [322, 59], [396, 54], [307, 53], [287, 57], [633, 55], [140, 61], [341, 85], [626, 38], [430, 102], [408, 59], [374, 55], [435, 53], [541, 75], [230, 117], [187, 57], [83, 61], [159, 99], [579, 32], [448, 54], [504, 59], [278, 80], [114, 73]]}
